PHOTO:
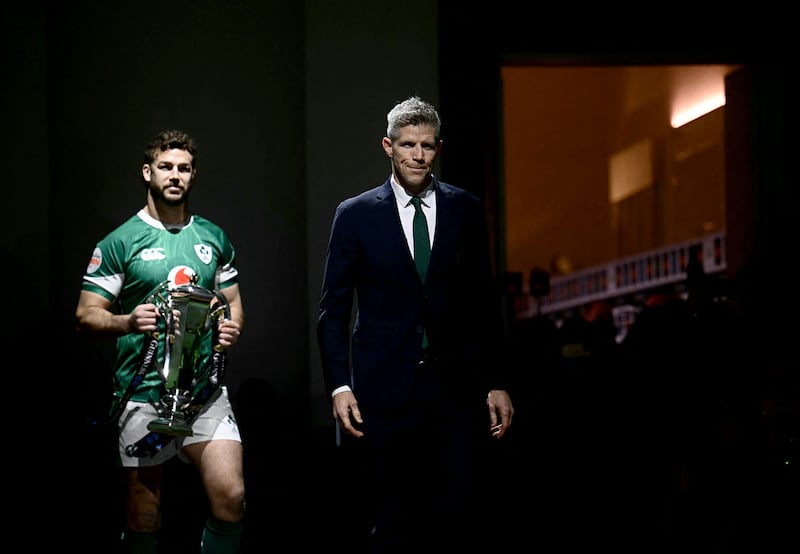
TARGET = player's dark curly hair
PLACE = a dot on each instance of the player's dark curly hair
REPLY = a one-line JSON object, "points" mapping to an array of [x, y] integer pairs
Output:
{"points": [[168, 140]]}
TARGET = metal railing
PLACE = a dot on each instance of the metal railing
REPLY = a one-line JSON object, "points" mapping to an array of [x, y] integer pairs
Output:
{"points": [[625, 276]]}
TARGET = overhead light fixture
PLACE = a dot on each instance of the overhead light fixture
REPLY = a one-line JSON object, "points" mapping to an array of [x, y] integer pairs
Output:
{"points": [[697, 110], [696, 91]]}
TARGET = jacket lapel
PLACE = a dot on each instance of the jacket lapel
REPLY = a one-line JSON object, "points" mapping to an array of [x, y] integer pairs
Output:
{"points": [[394, 235], [444, 215]]}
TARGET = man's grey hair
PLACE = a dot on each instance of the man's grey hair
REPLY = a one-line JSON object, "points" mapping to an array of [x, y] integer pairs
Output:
{"points": [[412, 111]]}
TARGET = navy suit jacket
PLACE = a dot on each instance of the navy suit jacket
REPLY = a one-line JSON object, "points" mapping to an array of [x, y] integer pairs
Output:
{"points": [[368, 261]]}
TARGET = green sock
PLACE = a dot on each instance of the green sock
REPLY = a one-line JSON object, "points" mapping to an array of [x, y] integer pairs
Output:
{"points": [[134, 542], [221, 537]]}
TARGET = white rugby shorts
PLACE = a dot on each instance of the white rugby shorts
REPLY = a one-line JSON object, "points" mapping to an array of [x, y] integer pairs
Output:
{"points": [[215, 421]]}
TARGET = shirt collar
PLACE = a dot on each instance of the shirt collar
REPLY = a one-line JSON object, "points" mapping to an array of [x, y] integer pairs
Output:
{"points": [[404, 199]]}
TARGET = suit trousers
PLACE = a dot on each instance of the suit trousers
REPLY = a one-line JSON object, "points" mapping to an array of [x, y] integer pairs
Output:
{"points": [[424, 466]]}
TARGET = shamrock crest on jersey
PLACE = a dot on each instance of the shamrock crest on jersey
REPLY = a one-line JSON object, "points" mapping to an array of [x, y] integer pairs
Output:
{"points": [[203, 252]]}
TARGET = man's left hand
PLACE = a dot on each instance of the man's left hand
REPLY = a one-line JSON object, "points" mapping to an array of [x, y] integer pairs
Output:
{"points": [[501, 412]]}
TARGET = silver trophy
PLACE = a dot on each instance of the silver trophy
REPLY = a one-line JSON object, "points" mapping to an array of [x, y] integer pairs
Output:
{"points": [[189, 313]]}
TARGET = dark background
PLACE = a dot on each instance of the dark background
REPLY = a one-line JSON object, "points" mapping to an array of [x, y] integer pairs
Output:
{"points": [[288, 103]]}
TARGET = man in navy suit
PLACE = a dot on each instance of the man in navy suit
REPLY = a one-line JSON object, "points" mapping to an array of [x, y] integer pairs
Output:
{"points": [[417, 388]]}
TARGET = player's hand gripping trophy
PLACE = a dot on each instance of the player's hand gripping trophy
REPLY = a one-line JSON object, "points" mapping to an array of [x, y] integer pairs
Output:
{"points": [[189, 313]]}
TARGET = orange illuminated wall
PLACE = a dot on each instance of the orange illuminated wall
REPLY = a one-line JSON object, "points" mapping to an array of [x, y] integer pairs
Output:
{"points": [[595, 171]]}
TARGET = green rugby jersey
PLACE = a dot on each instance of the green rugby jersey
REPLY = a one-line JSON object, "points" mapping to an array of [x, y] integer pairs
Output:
{"points": [[134, 259]]}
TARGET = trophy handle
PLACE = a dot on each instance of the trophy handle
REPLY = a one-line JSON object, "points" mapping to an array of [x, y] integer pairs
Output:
{"points": [[222, 309]]}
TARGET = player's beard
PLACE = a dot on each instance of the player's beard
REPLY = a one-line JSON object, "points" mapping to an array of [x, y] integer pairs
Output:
{"points": [[173, 202]]}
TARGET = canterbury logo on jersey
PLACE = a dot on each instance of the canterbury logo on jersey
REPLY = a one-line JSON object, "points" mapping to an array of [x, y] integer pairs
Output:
{"points": [[150, 254], [203, 252]]}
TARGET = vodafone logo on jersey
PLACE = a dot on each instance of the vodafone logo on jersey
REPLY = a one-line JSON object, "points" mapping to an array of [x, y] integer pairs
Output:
{"points": [[182, 275]]}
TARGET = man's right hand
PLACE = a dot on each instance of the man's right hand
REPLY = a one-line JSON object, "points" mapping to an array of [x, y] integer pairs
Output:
{"points": [[345, 411], [143, 318]]}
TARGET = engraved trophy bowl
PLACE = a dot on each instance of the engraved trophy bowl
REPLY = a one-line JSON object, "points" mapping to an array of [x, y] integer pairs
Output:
{"points": [[197, 309]]}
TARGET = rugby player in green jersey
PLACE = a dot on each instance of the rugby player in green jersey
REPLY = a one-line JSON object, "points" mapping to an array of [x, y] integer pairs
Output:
{"points": [[165, 243]]}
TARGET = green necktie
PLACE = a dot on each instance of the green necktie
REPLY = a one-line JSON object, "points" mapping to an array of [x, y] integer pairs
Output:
{"points": [[422, 241], [422, 248]]}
